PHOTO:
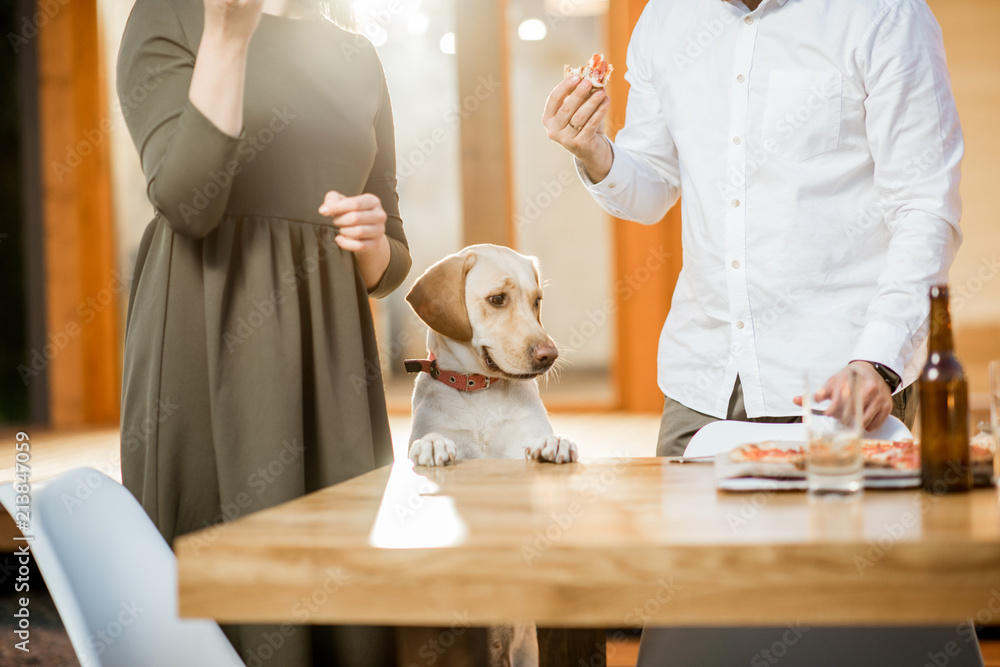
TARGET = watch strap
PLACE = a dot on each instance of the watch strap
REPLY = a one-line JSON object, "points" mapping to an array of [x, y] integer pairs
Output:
{"points": [[888, 375]]}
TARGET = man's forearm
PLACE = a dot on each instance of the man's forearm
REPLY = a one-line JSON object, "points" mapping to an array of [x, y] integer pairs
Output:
{"points": [[626, 185]]}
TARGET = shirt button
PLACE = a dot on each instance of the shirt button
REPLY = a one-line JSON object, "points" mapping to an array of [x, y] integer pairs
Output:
{"points": [[741, 78], [748, 20], [612, 186], [736, 203], [737, 141], [739, 325], [736, 263]]}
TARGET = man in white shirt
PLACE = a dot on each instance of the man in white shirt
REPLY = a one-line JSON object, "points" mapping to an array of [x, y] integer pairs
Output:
{"points": [[818, 149]]}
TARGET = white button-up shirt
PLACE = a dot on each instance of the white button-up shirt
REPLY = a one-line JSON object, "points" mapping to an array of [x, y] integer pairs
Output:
{"points": [[818, 149]]}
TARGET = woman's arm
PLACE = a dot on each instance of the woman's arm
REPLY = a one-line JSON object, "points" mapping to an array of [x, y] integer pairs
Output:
{"points": [[182, 108], [370, 225], [382, 183], [219, 75]]}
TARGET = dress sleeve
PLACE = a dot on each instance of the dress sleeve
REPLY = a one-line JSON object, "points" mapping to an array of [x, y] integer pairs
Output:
{"points": [[187, 160], [382, 183]]}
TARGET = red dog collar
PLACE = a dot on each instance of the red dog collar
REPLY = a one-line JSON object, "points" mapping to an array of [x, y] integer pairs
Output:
{"points": [[460, 381]]}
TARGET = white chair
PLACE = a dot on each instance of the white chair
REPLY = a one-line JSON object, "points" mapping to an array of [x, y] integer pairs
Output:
{"points": [[113, 578]]}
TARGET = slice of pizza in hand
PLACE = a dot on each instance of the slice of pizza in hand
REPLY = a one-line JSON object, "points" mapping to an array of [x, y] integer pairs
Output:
{"points": [[597, 71]]}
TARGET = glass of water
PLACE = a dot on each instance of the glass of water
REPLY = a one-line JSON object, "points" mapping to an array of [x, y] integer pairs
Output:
{"points": [[833, 427]]}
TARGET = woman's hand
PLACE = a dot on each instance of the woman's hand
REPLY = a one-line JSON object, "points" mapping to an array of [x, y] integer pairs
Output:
{"points": [[361, 221], [574, 118], [232, 20]]}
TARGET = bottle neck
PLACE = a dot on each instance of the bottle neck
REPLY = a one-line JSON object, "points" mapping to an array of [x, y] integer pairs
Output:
{"points": [[940, 340]]}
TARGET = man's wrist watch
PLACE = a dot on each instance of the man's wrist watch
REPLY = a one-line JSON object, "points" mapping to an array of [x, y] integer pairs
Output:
{"points": [[888, 375]]}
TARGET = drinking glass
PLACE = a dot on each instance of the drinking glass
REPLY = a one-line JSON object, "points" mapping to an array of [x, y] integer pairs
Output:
{"points": [[833, 427]]}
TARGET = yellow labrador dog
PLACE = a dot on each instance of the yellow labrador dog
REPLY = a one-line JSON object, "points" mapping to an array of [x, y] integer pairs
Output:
{"points": [[477, 397]]}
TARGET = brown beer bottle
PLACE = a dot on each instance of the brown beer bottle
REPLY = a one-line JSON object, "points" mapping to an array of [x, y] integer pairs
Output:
{"points": [[944, 407]]}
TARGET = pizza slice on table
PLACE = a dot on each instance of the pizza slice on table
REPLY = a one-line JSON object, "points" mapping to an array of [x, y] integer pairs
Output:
{"points": [[884, 454], [774, 452], [891, 454]]}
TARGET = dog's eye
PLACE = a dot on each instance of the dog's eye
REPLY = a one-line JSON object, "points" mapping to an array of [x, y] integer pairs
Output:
{"points": [[538, 303], [498, 299]]}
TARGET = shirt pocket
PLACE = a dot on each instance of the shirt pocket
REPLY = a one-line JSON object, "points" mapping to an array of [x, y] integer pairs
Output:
{"points": [[802, 113]]}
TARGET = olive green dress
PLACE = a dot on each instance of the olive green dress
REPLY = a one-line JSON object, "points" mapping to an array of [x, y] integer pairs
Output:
{"points": [[251, 372]]}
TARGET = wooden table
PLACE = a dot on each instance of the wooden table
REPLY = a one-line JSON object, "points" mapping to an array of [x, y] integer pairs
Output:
{"points": [[604, 543]]}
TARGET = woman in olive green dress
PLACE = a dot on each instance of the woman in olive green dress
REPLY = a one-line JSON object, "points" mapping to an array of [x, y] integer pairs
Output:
{"points": [[251, 372]]}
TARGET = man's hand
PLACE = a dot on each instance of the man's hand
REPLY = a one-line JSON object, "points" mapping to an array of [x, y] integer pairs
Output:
{"points": [[876, 399], [574, 118]]}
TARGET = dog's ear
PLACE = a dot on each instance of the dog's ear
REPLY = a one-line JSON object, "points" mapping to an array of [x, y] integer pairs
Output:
{"points": [[438, 297]]}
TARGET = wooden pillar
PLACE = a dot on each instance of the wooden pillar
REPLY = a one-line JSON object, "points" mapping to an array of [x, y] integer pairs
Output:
{"points": [[82, 291], [636, 252], [487, 191], [31, 219]]}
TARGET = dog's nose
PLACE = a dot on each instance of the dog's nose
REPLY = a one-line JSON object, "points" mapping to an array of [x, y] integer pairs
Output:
{"points": [[545, 354]]}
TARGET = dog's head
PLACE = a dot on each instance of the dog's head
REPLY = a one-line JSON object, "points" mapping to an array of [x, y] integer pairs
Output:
{"points": [[488, 298]]}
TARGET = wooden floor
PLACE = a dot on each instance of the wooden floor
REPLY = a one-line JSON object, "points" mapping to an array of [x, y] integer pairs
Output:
{"points": [[624, 654]]}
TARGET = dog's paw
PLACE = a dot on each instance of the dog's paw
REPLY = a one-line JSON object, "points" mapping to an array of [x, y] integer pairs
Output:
{"points": [[554, 448], [432, 450]]}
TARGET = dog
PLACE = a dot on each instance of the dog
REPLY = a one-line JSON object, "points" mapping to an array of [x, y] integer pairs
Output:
{"points": [[476, 397]]}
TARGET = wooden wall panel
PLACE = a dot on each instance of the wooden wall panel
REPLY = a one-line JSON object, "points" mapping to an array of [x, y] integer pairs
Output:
{"points": [[639, 317], [82, 294], [970, 30], [487, 190], [976, 347]]}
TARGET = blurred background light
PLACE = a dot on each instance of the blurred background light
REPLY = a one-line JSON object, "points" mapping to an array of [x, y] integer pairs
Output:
{"points": [[448, 43], [417, 23], [532, 30], [378, 35], [576, 7]]}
